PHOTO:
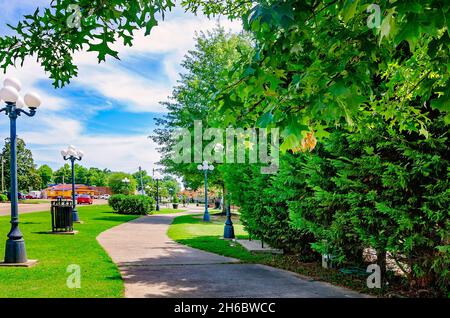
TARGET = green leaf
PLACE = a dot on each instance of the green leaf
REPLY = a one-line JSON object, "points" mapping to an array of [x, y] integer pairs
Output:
{"points": [[290, 142], [349, 9], [265, 120]]}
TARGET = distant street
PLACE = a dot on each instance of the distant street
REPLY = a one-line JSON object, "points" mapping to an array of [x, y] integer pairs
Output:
{"points": [[29, 208]]}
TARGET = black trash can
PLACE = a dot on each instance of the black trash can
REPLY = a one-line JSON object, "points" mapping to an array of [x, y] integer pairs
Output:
{"points": [[61, 211]]}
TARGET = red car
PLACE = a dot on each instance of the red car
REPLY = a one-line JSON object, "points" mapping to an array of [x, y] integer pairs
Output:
{"points": [[84, 199]]}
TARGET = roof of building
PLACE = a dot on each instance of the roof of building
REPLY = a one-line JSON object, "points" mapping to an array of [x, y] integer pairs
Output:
{"points": [[67, 186]]}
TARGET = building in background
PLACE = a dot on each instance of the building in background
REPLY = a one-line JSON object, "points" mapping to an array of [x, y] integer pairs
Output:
{"points": [[64, 190]]}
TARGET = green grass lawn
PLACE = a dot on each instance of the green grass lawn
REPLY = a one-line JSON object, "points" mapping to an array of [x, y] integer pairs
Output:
{"points": [[99, 275], [168, 211], [192, 231]]}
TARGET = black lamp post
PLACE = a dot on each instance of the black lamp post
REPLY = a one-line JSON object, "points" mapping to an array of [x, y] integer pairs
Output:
{"points": [[157, 177], [205, 168], [73, 154], [15, 252]]}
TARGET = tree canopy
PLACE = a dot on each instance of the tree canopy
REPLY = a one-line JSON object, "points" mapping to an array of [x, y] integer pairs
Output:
{"points": [[316, 64], [28, 177]]}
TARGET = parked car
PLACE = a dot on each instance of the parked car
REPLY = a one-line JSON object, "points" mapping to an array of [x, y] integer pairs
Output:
{"points": [[105, 196], [84, 199]]}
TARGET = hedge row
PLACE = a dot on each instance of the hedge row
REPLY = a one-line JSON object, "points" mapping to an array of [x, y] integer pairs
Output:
{"points": [[131, 204], [381, 189]]}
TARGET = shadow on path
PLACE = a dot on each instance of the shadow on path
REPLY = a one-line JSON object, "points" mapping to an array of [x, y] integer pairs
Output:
{"points": [[153, 265]]}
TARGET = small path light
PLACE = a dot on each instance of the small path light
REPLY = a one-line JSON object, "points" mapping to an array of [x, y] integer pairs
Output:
{"points": [[73, 154], [157, 176], [205, 168], [15, 252]]}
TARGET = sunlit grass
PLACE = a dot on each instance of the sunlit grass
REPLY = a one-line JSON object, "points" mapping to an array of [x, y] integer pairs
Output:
{"points": [[100, 277], [168, 211]]}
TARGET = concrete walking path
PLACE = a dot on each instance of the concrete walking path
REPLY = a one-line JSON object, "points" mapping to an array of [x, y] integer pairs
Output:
{"points": [[153, 265]]}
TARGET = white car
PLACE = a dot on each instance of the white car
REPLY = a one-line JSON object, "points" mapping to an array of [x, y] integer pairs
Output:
{"points": [[105, 196]]}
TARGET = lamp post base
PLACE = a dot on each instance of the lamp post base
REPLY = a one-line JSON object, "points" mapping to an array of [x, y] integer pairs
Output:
{"points": [[29, 263], [15, 251], [75, 216], [228, 232], [206, 217]]}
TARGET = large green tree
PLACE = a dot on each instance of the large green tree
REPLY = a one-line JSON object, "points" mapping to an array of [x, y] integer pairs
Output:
{"points": [[317, 63], [46, 174], [89, 176], [63, 174], [214, 54], [28, 177], [98, 177]]}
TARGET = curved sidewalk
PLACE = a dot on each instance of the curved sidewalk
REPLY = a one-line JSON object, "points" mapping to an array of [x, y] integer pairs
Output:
{"points": [[5, 208], [153, 265]]}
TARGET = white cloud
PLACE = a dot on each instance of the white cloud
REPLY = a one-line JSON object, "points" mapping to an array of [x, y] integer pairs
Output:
{"points": [[171, 39], [120, 153], [139, 94]]}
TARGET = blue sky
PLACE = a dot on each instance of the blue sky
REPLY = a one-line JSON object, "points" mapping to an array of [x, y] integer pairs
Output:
{"points": [[109, 109]]}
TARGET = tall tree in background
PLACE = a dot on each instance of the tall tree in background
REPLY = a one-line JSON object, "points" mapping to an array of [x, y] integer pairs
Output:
{"points": [[46, 174], [28, 178], [81, 174], [146, 179], [98, 177], [192, 100], [171, 185], [63, 174]]}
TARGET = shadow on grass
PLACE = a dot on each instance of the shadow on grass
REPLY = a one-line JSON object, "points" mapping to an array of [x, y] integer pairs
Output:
{"points": [[115, 277], [189, 219], [228, 248], [49, 232]]}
